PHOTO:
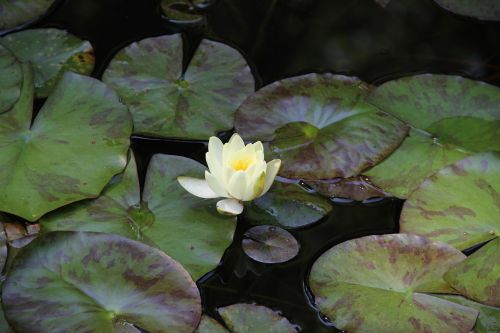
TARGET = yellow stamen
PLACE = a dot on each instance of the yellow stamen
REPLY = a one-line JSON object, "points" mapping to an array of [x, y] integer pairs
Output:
{"points": [[241, 164]]}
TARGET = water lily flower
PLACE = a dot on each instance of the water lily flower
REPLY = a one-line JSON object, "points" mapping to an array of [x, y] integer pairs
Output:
{"points": [[236, 172]]}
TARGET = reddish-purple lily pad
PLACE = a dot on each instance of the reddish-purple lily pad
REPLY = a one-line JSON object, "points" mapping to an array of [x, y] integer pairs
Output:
{"points": [[380, 284], [319, 126], [87, 282], [356, 188], [269, 244]]}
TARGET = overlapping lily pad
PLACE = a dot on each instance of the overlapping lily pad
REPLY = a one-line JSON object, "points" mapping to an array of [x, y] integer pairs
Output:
{"points": [[77, 142], [269, 244], [88, 282], [350, 280], [11, 79], [251, 318], [489, 316], [17, 12], [452, 117], [459, 205], [478, 277], [210, 325], [356, 188], [481, 9], [4, 325], [184, 11], [51, 52], [288, 205], [165, 101], [187, 228], [319, 126]]}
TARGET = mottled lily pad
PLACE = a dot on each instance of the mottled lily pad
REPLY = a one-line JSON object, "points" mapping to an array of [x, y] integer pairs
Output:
{"points": [[319, 126], [11, 79], [288, 205], [251, 318], [478, 277], [187, 228], [4, 325], [17, 12], [51, 52], [165, 101], [77, 142], [481, 9], [452, 117], [379, 284], [86, 282], [181, 11], [269, 244], [357, 188], [489, 316], [210, 325], [459, 205]]}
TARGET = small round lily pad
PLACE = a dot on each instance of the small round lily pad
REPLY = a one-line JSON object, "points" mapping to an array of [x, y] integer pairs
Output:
{"points": [[86, 282], [458, 205], [51, 52], [478, 277], [319, 126], [251, 318], [165, 101], [481, 9], [17, 12], [381, 283], [269, 244], [181, 11], [11, 79]]}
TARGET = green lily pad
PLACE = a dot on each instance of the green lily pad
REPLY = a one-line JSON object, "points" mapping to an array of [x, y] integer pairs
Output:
{"points": [[210, 325], [187, 228], [288, 205], [251, 318], [489, 316], [4, 325], [357, 188], [478, 277], [17, 12], [3, 247], [166, 101], [459, 205], [269, 244], [51, 52], [87, 282], [77, 142], [319, 126], [379, 284], [11, 79], [180, 11], [481, 9], [452, 117]]}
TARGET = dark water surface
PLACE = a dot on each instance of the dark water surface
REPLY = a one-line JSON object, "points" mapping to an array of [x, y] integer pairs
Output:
{"points": [[282, 38]]}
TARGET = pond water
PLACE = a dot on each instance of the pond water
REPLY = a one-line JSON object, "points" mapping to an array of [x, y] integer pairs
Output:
{"points": [[286, 38]]}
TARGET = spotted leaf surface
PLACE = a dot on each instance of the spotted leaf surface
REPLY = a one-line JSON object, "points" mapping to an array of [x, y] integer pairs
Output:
{"points": [[319, 126], [458, 205], [249, 318], [210, 325], [357, 188], [51, 52], [164, 101], [452, 117], [11, 79], [85, 282], [350, 280], [187, 228], [17, 12], [269, 244], [77, 142], [481, 9], [478, 277]]}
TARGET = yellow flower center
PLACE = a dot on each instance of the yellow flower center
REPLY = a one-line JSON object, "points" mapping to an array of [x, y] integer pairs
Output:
{"points": [[241, 163]]}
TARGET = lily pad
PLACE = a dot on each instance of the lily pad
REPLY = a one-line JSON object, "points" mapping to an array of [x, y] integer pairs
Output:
{"points": [[379, 284], [251, 318], [319, 126], [3, 247], [357, 188], [187, 228], [269, 244], [17, 12], [4, 325], [87, 282], [288, 205], [210, 325], [481, 9], [459, 205], [478, 277], [181, 11], [51, 52], [11, 79], [452, 117], [77, 142], [165, 101]]}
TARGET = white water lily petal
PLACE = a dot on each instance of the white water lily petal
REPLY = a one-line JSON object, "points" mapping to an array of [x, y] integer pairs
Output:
{"points": [[214, 165], [271, 172], [258, 147], [230, 207], [215, 148], [237, 185], [236, 142], [215, 185], [197, 187]]}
